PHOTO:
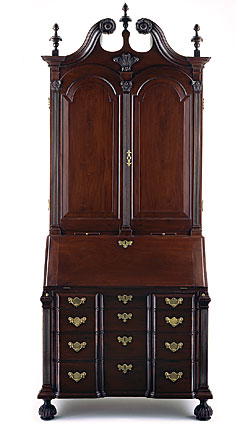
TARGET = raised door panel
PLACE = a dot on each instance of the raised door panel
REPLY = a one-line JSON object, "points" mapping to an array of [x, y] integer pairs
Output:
{"points": [[162, 154], [90, 149]]}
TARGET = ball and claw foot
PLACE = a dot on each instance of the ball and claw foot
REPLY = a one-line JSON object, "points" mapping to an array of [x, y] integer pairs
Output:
{"points": [[203, 411], [47, 411]]}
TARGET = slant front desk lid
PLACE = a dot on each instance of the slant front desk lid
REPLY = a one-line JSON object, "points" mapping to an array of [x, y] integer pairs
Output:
{"points": [[135, 261]]}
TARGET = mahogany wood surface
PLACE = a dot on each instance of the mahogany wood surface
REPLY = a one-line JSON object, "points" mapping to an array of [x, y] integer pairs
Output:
{"points": [[125, 300]]}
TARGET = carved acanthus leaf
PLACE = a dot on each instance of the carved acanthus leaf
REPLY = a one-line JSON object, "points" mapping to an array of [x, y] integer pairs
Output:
{"points": [[126, 61]]}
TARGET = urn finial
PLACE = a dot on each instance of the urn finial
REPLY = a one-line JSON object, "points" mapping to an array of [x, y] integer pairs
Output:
{"points": [[125, 19], [197, 39], [55, 39]]}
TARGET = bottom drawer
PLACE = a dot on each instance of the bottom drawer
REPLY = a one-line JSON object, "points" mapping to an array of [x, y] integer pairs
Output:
{"points": [[125, 375], [173, 377], [77, 378]]}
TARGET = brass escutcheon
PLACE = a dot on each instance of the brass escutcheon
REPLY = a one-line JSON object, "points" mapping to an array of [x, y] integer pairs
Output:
{"points": [[173, 346], [77, 301], [77, 346], [77, 321], [125, 243], [174, 321], [125, 316], [173, 376], [124, 340], [173, 301], [125, 298], [77, 376], [125, 368]]}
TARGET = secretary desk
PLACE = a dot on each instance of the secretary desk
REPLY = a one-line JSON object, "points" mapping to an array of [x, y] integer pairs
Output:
{"points": [[125, 297]]}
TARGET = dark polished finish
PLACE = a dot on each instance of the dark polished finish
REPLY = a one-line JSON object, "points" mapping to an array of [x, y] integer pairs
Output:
{"points": [[47, 411], [125, 300], [197, 40], [203, 411], [55, 40]]}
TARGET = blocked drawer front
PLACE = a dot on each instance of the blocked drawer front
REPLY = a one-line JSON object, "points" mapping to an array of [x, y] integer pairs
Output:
{"points": [[76, 301], [174, 322], [174, 302], [75, 346], [79, 321], [77, 377], [125, 298], [125, 344], [125, 319], [125, 374], [173, 347], [173, 377]]}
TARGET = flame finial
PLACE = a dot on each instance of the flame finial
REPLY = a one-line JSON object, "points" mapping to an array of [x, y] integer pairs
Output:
{"points": [[125, 19]]}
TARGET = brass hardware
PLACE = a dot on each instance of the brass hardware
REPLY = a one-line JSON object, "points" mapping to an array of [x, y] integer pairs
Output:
{"points": [[125, 316], [124, 298], [173, 346], [76, 301], [77, 376], [49, 102], [124, 340], [77, 321], [174, 321], [173, 376], [129, 157], [202, 204], [125, 368], [47, 294], [203, 103], [77, 346], [48, 204], [173, 302], [203, 294], [125, 243]]}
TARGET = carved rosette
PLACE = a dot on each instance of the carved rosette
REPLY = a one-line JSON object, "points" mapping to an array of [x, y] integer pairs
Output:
{"points": [[197, 86], [55, 85], [144, 26], [126, 61], [126, 86], [107, 26]]}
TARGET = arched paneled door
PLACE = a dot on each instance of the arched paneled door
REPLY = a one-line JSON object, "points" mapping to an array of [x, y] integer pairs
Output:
{"points": [[162, 149], [90, 150]]}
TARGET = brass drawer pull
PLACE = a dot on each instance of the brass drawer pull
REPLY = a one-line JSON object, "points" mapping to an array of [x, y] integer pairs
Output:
{"points": [[125, 368], [174, 321], [77, 301], [77, 321], [173, 301], [173, 346], [124, 298], [77, 346], [77, 376], [125, 316], [129, 157], [125, 243], [173, 376], [124, 340]]}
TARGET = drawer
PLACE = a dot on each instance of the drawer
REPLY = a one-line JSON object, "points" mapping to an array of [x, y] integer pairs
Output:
{"points": [[77, 377], [77, 302], [173, 377], [125, 375], [173, 347], [76, 346], [77, 321], [125, 319], [174, 302], [125, 345], [125, 298], [174, 322]]}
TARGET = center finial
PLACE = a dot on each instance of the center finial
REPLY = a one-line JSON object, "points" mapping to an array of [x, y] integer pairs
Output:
{"points": [[125, 19]]}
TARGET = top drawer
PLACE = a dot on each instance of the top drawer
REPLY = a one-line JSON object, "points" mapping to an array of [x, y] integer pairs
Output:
{"points": [[77, 301], [125, 298], [172, 302]]}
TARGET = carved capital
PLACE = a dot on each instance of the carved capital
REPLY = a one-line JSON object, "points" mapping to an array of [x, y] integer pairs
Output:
{"points": [[126, 61], [46, 299], [55, 85], [144, 26], [197, 86], [126, 86], [107, 26]]}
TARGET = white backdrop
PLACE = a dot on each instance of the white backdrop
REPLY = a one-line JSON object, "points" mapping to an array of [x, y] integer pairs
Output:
{"points": [[25, 30]]}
